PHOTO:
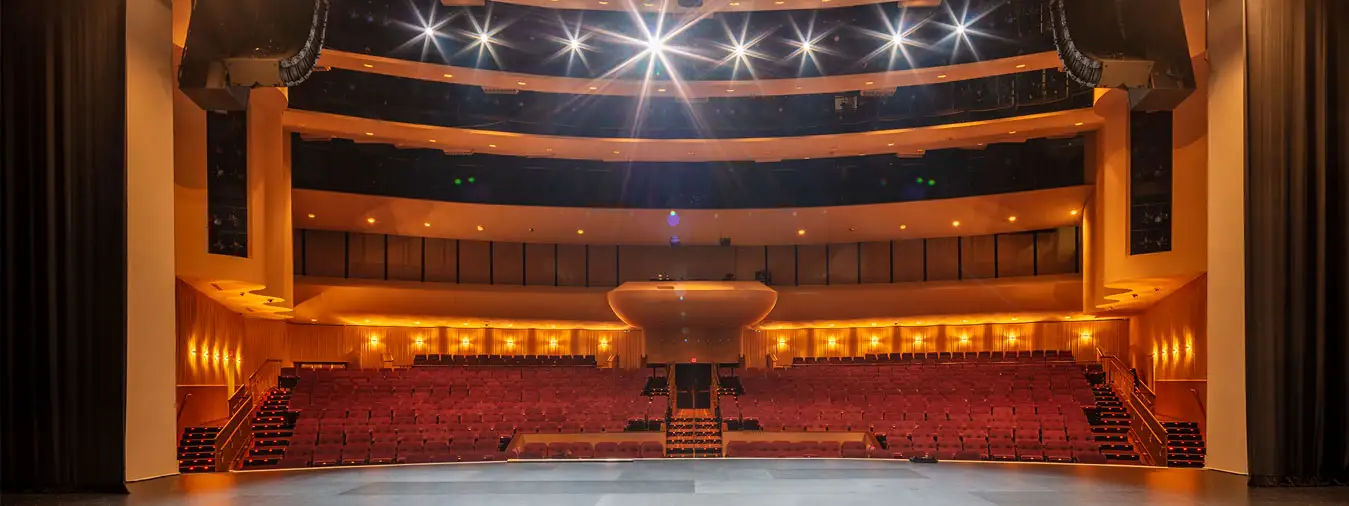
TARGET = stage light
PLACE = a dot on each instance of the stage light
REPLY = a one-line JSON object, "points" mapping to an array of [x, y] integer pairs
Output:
{"points": [[738, 51], [484, 38], [370, 221], [429, 32], [960, 29], [655, 45], [311, 216], [897, 38], [574, 44], [806, 46]]}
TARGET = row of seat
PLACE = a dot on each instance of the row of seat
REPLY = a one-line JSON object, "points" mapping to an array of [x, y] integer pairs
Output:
{"points": [[939, 356], [1005, 450], [505, 360]]}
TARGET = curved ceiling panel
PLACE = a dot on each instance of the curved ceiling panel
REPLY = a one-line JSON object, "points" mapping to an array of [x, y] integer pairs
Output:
{"points": [[904, 142], [744, 87], [690, 46], [1034, 210]]}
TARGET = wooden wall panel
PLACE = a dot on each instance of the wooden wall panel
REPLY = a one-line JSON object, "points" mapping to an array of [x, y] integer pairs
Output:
{"points": [[571, 265], [943, 259], [977, 257], [908, 260], [810, 267], [539, 264], [475, 262], [405, 258], [876, 262], [1016, 255], [442, 260], [508, 263]]}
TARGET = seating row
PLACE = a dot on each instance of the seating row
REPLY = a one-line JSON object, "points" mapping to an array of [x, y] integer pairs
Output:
{"points": [[939, 356], [1006, 450], [505, 360]]}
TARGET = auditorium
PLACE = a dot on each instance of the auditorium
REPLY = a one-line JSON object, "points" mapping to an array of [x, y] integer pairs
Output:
{"points": [[641, 252]]}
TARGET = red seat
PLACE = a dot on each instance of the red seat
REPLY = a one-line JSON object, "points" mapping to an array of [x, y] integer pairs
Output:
{"points": [[1058, 451], [606, 450], [1002, 449], [355, 455], [532, 451], [854, 450], [384, 453], [652, 450], [1030, 451], [629, 450], [559, 450], [582, 451]]}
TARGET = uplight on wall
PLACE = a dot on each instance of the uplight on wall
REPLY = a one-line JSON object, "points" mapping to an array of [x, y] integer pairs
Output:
{"points": [[604, 343], [419, 341], [965, 339], [1086, 336], [552, 342], [833, 342], [374, 340], [782, 343], [463, 341], [875, 341], [510, 342]]}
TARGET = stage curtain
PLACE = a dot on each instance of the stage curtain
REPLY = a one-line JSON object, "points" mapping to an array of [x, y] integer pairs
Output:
{"points": [[63, 327], [1297, 260]]}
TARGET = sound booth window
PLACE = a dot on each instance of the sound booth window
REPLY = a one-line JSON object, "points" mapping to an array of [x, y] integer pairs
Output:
{"points": [[227, 183], [1150, 183]]}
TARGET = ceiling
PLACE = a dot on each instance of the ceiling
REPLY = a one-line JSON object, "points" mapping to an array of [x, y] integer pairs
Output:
{"points": [[708, 5], [331, 58], [904, 142], [1034, 210]]}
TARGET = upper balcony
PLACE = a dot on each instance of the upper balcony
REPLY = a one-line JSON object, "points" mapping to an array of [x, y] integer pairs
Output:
{"points": [[414, 101]]}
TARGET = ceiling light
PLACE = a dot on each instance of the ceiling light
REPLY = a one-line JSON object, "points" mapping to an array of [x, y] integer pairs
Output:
{"points": [[897, 38], [480, 228], [615, 152], [941, 76], [869, 83], [890, 144], [427, 224], [602, 2], [313, 319], [902, 227], [574, 44], [521, 83], [779, 2], [730, 90], [1011, 219], [429, 32], [1011, 132], [432, 141], [1021, 66], [801, 231], [593, 88], [416, 323], [960, 29], [449, 75], [662, 90], [484, 38], [370, 133], [1079, 123], [580, 232], [806, 47], [311, 216], [738, 51], [370, 221], [1073, 212], [735, 4], [367, 65], [955, 223], [655, 45], [491, 145]]}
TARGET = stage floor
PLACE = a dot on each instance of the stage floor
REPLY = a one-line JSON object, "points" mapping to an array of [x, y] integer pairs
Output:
{"points": [[749, 482]]}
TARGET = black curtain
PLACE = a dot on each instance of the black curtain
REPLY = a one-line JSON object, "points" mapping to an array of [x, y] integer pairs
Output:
{"points": [[63, 245], [1297, 260]]}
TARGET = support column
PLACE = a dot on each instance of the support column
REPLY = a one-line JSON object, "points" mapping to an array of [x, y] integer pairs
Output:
{"points": [[151, 372], [1226, 353]]}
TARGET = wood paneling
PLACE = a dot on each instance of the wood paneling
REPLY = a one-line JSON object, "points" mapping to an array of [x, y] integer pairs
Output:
{"points": [[977, 257], [876, 262], [1016, 255], [843, 264], [943, 259], [539, 264], [405, 258], [908, 260], [442, 260], [508, 263], [475, 262]]}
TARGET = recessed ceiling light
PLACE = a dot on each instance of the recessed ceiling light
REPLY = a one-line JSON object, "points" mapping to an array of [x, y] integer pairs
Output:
{"points": [[729, 90], [491, 145], [1011, 219], [870, 82], [1073, 212], [367, 65], [370, 221], [416, 323], [593, 88], [779, 2], [615, 152], [580, 232], [433, 141], [941, 76], [449, 75], [521, 83], [602, 2], [662, 90], [427, 224], [902, 227], [313, 319], [367, 320], [800, 231], [1079, 123], [735, 4], [311, 216], [1013, 318], [370, 133], [890, 144], [955, 223], [480, 228], [1011, 132], [1021, 66], [1069, 317]]}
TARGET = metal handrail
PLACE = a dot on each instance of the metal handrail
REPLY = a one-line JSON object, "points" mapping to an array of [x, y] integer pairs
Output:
{"points": [[1200, 402], [182, 404], [231, 440], [1150, 432]]}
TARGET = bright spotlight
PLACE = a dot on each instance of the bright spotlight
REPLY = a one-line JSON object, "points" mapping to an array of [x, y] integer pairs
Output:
{"points": [[897, 39], [484, 37], [429, 32], [655, 45], [574, 45], [806, 47], [960, 29], [738, 51]]}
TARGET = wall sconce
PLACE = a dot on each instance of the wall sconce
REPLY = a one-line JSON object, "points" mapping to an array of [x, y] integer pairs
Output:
{"points": [[875, 341], [1086, 336], [832, 342], [463, 341], [604, 343], [965, 338], [510, 342], [918, 340], [552, 342], [374, 340], [1175, 350], [217, 356], [419, 341], [192, 351], [238, 359], [1011, 338], [782, 343]]}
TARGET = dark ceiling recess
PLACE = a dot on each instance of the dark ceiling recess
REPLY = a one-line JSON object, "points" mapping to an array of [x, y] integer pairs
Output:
{"points": [[1137, 45]]}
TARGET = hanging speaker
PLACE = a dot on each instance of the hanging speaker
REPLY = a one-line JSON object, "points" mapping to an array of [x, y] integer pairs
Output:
{"points": [[236, 45], [1136, 45]]}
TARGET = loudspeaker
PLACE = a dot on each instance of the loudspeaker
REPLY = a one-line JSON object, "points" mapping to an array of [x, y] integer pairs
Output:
{"points": [[1137, 45], [235, 45]]}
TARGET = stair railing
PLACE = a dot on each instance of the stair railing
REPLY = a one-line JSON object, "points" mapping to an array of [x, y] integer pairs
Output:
{"points": [[235, 436], [1151, 434]]}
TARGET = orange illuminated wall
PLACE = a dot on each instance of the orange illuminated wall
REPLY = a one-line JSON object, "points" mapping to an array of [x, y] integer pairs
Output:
{"points": [[1166, 345], [1081, 337]]}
